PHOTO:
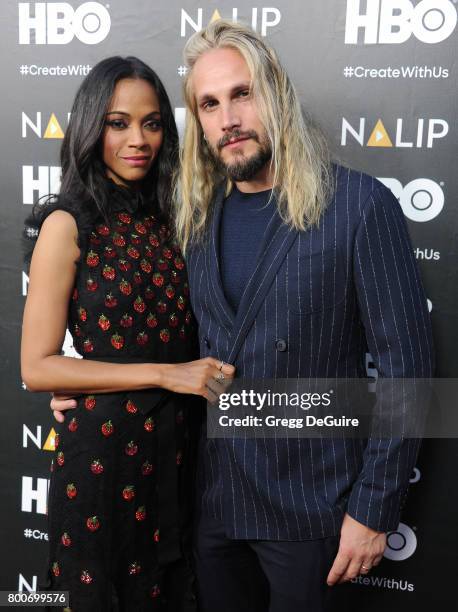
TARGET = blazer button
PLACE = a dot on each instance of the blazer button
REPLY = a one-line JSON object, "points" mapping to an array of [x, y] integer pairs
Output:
{"points": [[207, 342], [281, 345]]}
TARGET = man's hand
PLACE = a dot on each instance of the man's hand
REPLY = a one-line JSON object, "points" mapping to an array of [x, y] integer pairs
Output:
{"points": [[61, 403], [360, 549]]}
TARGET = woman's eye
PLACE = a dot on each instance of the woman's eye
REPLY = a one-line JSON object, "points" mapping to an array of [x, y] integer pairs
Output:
{"points": [[117, 124], [154, 125]]}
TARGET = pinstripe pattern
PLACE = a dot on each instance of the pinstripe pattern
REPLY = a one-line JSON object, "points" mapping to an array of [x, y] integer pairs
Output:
{"points": [[330, 293]]}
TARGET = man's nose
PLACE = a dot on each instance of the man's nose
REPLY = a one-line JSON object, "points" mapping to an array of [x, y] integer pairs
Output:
{"points": [[230, 118]]}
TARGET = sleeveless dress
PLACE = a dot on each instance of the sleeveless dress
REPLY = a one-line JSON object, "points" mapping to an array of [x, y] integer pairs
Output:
{"points": [[119, 492]]}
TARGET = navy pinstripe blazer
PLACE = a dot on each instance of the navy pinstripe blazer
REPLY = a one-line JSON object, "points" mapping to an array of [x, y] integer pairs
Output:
{"points": [[327, 294]]}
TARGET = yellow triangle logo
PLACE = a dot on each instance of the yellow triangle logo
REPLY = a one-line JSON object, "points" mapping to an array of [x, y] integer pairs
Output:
{"points": [[49, 444], [379, 136], [53, 130], [215, 16]]}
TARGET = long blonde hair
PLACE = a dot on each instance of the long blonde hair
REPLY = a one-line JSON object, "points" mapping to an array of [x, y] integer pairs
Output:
{"points": [[302, 175]]}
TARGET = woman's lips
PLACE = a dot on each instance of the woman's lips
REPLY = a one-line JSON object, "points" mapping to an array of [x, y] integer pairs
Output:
{"points": [[136, 162]]}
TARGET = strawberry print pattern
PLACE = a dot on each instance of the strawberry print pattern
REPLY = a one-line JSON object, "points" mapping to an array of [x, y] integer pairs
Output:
{"points": [[131, 282]]}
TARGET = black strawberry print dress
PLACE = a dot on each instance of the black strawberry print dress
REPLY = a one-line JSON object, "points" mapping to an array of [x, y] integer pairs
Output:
{"points": [[115, 511]]}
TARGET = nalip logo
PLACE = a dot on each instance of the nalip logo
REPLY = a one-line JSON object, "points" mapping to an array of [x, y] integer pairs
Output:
{"points": [[421, 200], [261, 19], [49, 129], [400, 544], [419, 133], [395, 21], [57, 23]]}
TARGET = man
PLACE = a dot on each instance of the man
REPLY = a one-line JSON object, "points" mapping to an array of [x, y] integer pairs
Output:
{"points": [[295, 266], [289, 286]]}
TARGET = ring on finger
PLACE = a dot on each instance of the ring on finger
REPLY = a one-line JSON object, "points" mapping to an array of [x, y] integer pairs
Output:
{"points": [[220, 376], [365, 568]]}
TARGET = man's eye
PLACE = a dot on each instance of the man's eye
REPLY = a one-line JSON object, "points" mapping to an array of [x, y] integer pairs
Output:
{"points": [[117, 124], [209, 104]]}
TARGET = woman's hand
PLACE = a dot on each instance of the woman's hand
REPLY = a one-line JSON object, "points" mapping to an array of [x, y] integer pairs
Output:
{"points": [[207, 377]]}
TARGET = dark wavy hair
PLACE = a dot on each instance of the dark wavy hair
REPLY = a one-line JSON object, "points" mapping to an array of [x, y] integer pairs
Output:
{"points": [[85, 190]]}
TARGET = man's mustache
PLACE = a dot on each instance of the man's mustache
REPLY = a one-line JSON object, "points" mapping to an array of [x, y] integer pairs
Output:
{"points": [[222, 142]]}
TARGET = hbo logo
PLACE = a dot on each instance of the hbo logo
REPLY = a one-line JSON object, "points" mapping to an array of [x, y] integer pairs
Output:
{"points": [[421, 200], [394, 21], [400, 544], [56, 23]]}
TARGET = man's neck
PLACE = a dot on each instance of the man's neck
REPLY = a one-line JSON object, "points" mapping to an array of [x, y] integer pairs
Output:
{"points": [[262, 181]]}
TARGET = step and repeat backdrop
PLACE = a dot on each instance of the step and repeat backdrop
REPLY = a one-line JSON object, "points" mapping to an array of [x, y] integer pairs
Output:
{"points": [[379, 76]]}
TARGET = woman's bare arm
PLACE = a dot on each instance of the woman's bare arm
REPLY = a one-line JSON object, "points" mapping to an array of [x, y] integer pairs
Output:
{"points": [[52, 277]]}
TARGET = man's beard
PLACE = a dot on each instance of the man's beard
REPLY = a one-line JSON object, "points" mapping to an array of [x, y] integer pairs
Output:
{"points": [[244, 168]]}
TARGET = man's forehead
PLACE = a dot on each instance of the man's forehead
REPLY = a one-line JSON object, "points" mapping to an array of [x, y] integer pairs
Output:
{"points": [[220, 63], [220, 70]]}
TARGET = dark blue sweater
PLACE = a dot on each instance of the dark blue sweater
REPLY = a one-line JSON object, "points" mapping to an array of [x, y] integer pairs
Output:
{"points": [[244, 221]]}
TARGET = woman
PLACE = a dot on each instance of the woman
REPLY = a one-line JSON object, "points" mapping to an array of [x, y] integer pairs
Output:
{"points": [[105, 264]]}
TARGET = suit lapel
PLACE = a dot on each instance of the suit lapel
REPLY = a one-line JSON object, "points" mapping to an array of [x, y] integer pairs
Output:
{"points": [[278, 239], [217, 298]]}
